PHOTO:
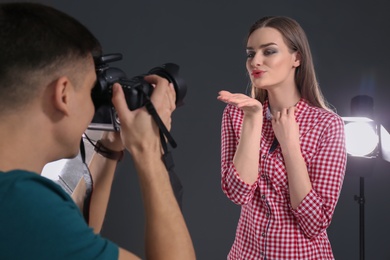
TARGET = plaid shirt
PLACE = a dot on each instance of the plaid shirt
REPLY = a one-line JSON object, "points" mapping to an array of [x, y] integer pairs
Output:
{"points": [[269, 228]]}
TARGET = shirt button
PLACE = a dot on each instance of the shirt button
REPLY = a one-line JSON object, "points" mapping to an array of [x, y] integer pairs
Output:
{"points": [[263, 234], [267, 215], [263, 197], [263, 156], [263, 176]]}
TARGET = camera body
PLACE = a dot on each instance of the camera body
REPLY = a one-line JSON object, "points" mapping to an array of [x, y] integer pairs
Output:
{"points": [[135, 89]]}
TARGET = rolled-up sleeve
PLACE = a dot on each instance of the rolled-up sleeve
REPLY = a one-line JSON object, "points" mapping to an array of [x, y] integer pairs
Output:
{"points": [[326, 170], [233, 186]]}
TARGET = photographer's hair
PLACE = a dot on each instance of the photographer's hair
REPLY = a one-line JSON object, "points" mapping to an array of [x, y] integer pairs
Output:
{"points": [[296, 40], [37, 43]]}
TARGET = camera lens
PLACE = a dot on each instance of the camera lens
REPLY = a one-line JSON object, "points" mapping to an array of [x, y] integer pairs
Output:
{"points": [[170, 71], [136, 89]]}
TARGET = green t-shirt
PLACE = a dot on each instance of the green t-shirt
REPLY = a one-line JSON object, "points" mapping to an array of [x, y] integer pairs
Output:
{"points": [[38, 220]]}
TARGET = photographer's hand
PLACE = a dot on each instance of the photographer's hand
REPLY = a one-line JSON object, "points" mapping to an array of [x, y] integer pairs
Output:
{"points": [[167, 236], [138, 127]]}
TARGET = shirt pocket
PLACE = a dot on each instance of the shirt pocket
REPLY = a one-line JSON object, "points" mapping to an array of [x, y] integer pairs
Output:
{"points": [[278, 176]]}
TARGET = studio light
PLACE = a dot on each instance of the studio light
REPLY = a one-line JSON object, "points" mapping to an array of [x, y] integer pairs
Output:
{"points": [[366, 142], [362, 139]]}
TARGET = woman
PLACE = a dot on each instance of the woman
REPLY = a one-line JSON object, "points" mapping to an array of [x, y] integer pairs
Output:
{"points": [[283, 152]]}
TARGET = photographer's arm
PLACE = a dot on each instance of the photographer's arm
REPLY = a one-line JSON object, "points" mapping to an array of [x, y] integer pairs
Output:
{"points": [[102, 170], [166, 233]]}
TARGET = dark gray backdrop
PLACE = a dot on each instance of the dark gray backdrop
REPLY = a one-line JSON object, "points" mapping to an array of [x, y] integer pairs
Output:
{"points": [[350, 43]]}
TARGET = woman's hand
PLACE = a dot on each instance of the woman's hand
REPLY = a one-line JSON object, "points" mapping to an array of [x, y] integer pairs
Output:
{"points": [[286, 128], [248, 105], [246, 157]]}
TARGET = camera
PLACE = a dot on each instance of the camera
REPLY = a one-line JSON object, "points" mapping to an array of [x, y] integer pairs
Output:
{"points": [[136, 90]]}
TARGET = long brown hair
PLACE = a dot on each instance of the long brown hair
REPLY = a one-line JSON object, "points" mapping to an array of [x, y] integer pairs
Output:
{"points": [[296, 40]]}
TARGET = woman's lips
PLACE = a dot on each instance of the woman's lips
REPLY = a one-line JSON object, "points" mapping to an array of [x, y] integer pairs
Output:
{"points": [[257, 73]]}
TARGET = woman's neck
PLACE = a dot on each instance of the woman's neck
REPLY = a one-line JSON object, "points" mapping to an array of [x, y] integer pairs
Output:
{"points": [[283, 99]]}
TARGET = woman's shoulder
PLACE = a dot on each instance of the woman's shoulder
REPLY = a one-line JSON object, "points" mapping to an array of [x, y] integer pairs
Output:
{"points": [[327, 116]]}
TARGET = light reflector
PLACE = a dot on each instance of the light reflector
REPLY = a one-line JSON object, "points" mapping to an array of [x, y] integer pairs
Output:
{"points": [[362, 139]]}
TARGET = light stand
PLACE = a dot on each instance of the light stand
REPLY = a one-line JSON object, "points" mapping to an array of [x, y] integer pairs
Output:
{"points": [[361, 200], [361, 167], [362, 148], [367, 141]]}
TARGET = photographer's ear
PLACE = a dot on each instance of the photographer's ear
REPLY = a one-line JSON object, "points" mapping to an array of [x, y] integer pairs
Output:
{"points": [[61, 95]]}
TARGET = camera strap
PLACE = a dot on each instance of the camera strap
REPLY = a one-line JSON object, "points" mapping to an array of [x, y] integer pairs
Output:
{"points": [[167, 156], [88, 183], [163, 130]]}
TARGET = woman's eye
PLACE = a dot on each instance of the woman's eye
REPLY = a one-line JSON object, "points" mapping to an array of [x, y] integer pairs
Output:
{"points": [[269, 52], [250, 55]]}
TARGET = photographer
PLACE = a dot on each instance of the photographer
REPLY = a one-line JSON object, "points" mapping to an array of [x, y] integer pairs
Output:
{"points": [[46, 76]]}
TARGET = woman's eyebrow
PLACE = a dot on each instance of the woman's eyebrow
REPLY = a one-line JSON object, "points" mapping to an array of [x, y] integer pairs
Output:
{"points": [[261, 46]]}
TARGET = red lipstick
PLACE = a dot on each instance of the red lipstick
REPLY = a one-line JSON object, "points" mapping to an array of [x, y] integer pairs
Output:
{"points": [[257, 73]]}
